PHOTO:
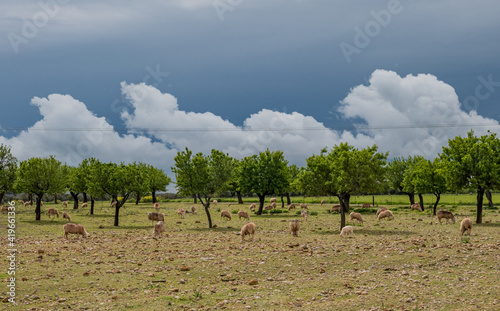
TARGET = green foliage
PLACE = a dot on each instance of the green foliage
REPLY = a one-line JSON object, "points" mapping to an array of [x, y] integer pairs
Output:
{"points": [[313, 213], [234, 211], [8, 170], [366, 210]]}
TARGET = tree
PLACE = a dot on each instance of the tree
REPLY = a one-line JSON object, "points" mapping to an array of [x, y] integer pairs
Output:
{"points": [[8, 170], [395, 173], [203, 176], [156, 180], [408, 183], [293, 172], [40, 176], [233, 183], [472, 162], [264, 174]]}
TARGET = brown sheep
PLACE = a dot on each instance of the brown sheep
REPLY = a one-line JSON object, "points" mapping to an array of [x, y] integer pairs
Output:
{"points": [[243, 214], [323, 202], [27, 203], [380, 210], [294, 227], [52, 212], [291, 206], [303, 206], [366, 205], [113, 204], [157, 206], [225, 214], [248, 229], [336, 208], [156, 217], [253, 206], [74, 229], [214, 202], [269, 207], [66, 216], [5, 209], [466, 225], [384, 214], [273, 204], [65, 203], [273, 200], [304, 214], [356, 216], [181, 212], [193, 209], [85, 204], [446, 215], [159, 229], [347, 230], [416, 206]]}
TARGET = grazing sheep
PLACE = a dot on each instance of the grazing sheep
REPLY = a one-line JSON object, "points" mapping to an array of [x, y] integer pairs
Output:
{"points": [[193, 209], [416, 206], [356, 216], [336, 208], [347, 230], [273, 204], [181, 212], [303, 206], [366, 205], [273, 200], [253, 206], [159, 228], [52, 212], [85, 204], [269, 207], [74, 229], [214, 202], [304, 214], [21, 202], [323, 202], [380, 210], [27, 203], [243, 214], [113, 204], [446, 215], [5, 209], [156, 217], [65, 204], [225, 214], [386, 213], [66, 216], [294, 227], [248, 229], [466, 225], [291, 206], [157, 206]]}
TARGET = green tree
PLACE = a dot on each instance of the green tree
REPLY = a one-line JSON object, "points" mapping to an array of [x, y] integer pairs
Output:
{"points": [[264, 174], [395, 173], [408, 183], [40, 176], [472, 162], [203, 176], [156, 180], [8, 170], [233, 184]]}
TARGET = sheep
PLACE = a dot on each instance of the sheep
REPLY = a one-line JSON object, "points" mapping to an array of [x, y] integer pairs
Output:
{"points": [[225, 214], [336, 208], [386, 213], [243, 214], [65, 204], [156, 216], [356, 216], [445, 214], [294, 227], [181, 212], [74, 229], [366, 205], [273, 200], [27, 203], [380, 210], [273, 204], [215, 202], [347, 230], [323, 202], [66, 216], [253, 206], [416, 206], [157, 206], [159, 229], [291, 206], [304, 214], [269, 207], [85, 204], [248, 229], [52, 212], [193, 209], [113, 204], [303, 206], [5, 209], [466, 225], [21, 202]]}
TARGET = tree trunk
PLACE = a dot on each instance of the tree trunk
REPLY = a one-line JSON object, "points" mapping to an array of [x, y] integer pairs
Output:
{"points": [[84, 197], [479, 216], [347, 198], [137, 199], [262, 197], [344, 202], [92, 201], [282, 201], [195, 199], [117, 213], [438, 197], [206, 205], [38, 210], [55, 198], [288, 200], [153, 195], [240, 199], [488, 196], [1, 197], [421, 199], [75, 199], [411, 196]]}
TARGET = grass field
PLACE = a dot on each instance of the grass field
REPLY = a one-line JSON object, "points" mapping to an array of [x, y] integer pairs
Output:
{"points": [[409, 263]]}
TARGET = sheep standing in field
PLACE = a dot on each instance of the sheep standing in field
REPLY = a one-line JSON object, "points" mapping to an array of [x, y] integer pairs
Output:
{"points": [[243, 214], [181, 212], [304, 214], [66, 216], [159, 229], [52, 212], [113, 204], [366, 205], [380, 210], [269, 207], [291, 206], [466, 225], [5, 209], [294, 227], [21, 202], [273, 200], [384, 214], [347, 230], [74, 229], [323, 202], [303, 206], [156, 217], [335, 208], [416, 206], [273, 204], [446, 215], [253, 206], [214, 202], [65, 204], [248, 229], [157, 206], [193, 209], [225, 214], [85, 204], [27, 203], [356, 216]]}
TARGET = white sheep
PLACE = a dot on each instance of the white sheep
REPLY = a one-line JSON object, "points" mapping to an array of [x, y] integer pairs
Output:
{"points": [[225, 214], [347, 230], [159, 228], [243, 214], [273, 204], [65, 203], [85, 204], [52, 212], [446, 215], [214, 202], [157, 206], [27, 203], [416, 206], [269, 207], [74, 229], [335, 208], [466, 225], [303, 206], [356, 216], [181, 212], [304, 214], [66, 216], [380, 210], [291, 206], [294, 227], [248, 229], [386, 213], [273, 200], [253, 206], [193, 209], [156, 217]]}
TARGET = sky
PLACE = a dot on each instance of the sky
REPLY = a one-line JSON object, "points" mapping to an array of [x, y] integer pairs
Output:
{"points": [[140, 80]]}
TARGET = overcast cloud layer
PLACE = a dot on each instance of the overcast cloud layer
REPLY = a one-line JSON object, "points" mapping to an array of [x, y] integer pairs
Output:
{"points": [[403, 115]]}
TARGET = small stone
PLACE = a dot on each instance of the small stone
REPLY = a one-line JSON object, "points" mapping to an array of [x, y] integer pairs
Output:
{"points": [[41, 251], [61, 300], [253, 282], [182, 281]]}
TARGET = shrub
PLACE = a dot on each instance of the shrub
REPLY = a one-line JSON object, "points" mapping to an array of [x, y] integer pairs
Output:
{"points": [[275, 211], [298, 213], [147, 199], [365, 210], [234, 212], [313, 213]]}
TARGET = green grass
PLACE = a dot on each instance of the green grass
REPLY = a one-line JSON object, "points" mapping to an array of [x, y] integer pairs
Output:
{"points": [[408, 263]]}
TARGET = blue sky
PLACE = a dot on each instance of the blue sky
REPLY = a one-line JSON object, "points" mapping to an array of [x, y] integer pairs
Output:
{"points": [[310, 70]]}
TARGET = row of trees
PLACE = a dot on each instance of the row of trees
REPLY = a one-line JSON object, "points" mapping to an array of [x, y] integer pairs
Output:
{"points": [[467, 162]]}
